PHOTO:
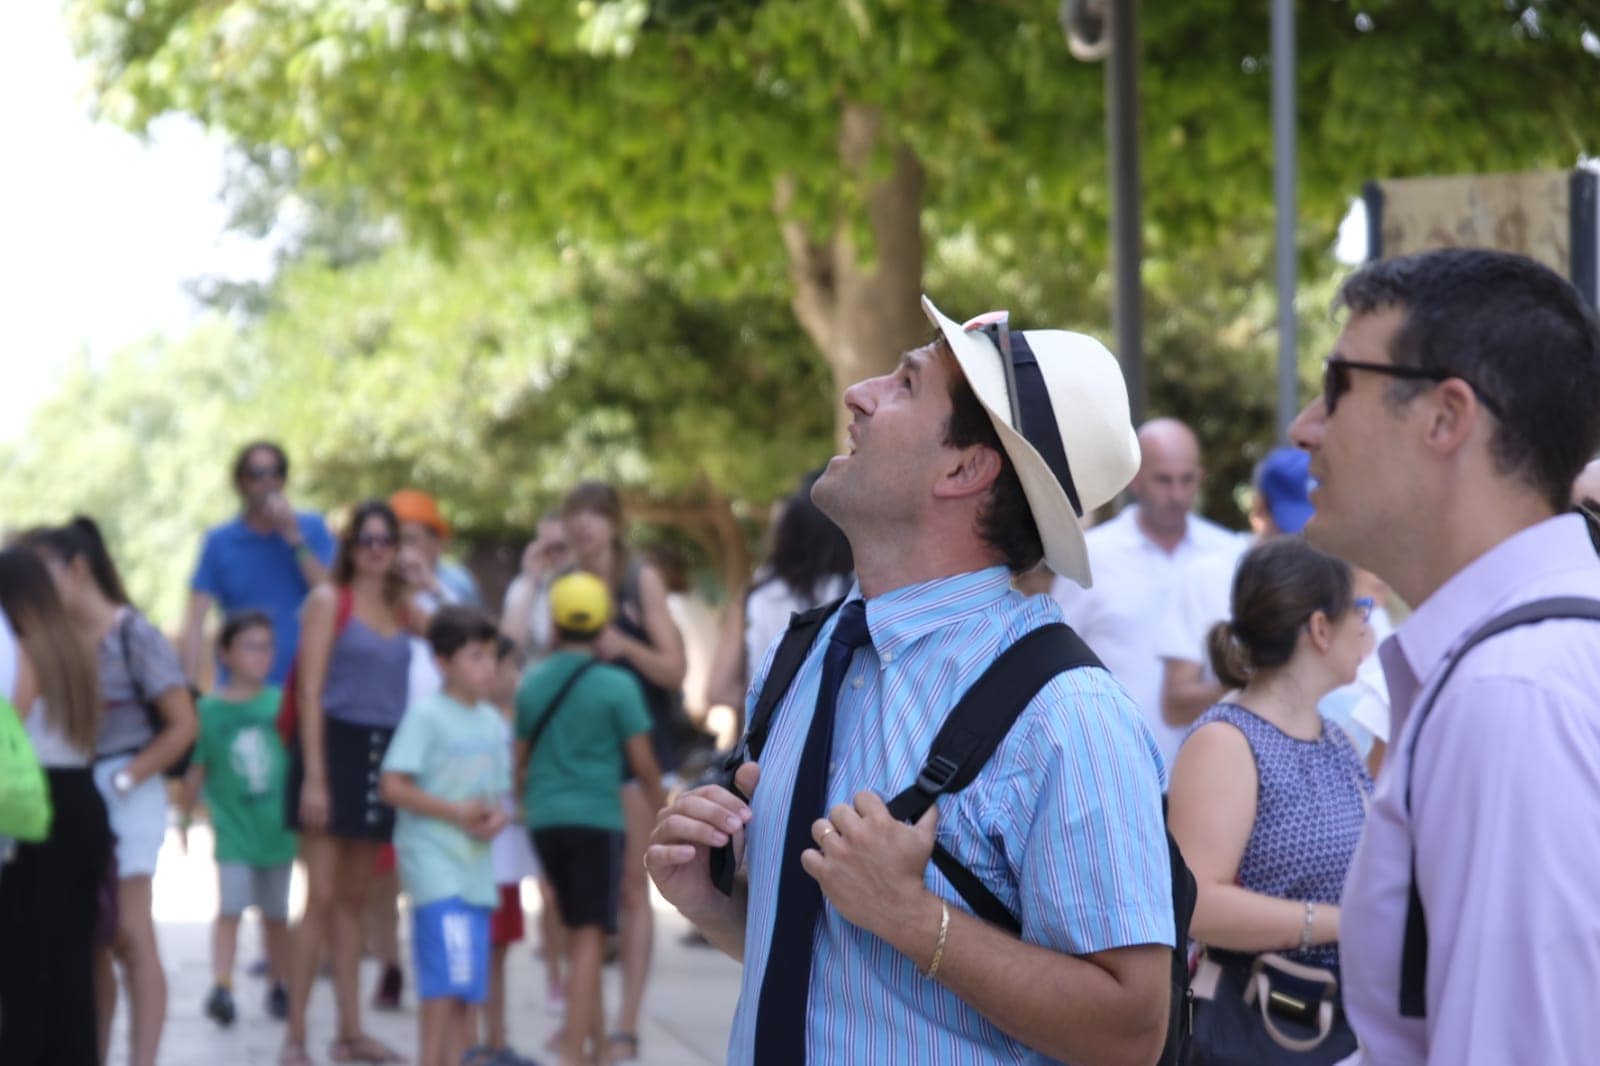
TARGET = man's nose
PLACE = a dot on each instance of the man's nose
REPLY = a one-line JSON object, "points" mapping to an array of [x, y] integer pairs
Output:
{"points": [[1306, 429]]}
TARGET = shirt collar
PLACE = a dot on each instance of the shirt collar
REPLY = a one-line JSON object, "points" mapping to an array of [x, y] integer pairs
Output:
{"points": [[898, 618], [1126, 523], [1487, 585]]}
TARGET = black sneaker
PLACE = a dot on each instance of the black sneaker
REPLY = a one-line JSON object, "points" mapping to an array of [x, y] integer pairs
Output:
{"points": [[278, 1001], [220, 1008]]}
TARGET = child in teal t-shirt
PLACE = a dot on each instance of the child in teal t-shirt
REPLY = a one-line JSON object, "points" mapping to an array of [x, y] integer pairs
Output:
{"points": [[240, 764], [446, 773]]}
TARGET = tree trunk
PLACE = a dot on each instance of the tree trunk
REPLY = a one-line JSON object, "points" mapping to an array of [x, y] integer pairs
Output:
{"points": [[861, 307]]}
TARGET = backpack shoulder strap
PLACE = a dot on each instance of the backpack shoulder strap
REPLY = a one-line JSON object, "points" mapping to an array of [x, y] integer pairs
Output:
{"points": [[345, 610], [793, 648], [1414, 952], [124, 624], [973, 730]]}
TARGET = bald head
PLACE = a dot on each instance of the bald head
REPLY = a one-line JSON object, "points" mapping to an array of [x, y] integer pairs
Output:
{"points": [[1169, 477]]}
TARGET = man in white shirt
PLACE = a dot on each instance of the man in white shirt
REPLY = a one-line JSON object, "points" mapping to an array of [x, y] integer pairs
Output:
{"points": [[1201, 594], [1137, 558]]}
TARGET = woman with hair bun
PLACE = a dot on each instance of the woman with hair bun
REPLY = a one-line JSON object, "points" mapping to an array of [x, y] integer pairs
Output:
{"points": [[1267, 800]]}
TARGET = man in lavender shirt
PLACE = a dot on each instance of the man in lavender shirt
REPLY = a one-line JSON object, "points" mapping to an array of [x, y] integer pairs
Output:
{"points": [[1462, 399]]}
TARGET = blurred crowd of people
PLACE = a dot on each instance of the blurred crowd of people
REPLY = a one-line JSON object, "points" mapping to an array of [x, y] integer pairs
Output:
{"points": [[1215, 789]]}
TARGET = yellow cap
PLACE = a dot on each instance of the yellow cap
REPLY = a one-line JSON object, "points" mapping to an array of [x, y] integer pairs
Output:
{"points": [[580, 603]]}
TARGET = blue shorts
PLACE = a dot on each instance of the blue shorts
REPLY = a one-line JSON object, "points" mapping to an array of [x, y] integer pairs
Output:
{"points": [[450, 946]]}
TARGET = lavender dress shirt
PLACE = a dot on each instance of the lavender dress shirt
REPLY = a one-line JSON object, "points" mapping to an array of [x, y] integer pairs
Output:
{"points": [[1506, 822]]}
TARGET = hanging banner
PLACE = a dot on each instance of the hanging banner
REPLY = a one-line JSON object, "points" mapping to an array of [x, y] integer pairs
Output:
{"points": [[1549, 216]]}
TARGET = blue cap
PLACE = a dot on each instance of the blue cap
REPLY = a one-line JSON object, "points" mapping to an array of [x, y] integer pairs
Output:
{"points": [[1284, 479]]}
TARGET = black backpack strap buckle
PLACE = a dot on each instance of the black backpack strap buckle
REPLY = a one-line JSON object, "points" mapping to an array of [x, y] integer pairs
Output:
{"points": [[936, 773]]}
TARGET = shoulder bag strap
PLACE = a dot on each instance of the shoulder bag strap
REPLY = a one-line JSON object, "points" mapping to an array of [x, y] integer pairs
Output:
{"points": [[555, 704], [973, 730], [1414, 952]]}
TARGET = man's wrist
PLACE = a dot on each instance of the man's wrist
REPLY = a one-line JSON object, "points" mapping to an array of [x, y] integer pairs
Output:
{"points": [[916, 927]]}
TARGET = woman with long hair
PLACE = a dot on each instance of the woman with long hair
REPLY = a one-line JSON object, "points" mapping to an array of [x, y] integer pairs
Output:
{"points": [[50, 890], [809, 564], [1267, 799], [147, 724], [351, 678], [643, 639]]}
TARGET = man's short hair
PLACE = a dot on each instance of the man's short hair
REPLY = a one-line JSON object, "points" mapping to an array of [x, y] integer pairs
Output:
{"points": [[1517, 332], [1005, 521], [453, 627], [241, 461]]}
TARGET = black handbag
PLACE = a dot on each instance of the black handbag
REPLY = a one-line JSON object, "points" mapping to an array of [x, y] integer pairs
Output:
{"points": [[1266, 1010]]}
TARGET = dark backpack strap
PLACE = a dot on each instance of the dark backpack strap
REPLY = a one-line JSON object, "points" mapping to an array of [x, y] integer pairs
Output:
{"points": [[793, 648], [973, 730], [555, 704], [1414, 952]]}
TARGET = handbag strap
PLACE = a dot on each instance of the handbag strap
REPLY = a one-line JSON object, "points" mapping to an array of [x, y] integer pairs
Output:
{"points": [[1259, 992], [556, 703]]}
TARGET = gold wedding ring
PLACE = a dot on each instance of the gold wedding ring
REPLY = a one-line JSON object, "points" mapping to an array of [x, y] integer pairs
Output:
{"points": [[827, 827]]}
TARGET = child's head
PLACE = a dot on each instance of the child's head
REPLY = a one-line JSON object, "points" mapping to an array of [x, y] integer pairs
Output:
{"points": [[507, 671], [463, 641], [245, 646], [580, 607]]}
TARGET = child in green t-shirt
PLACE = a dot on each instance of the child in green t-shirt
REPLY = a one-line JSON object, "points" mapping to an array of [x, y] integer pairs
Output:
{"points": [[446, 773], [240, 764], [580, 721]]}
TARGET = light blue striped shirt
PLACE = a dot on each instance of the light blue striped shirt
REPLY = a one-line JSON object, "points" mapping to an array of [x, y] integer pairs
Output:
{"points": [[1063, 824]]}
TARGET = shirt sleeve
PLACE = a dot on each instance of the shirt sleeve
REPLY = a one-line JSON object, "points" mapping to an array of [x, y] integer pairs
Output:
{"points": [[153, 663], [317, 538], [208, 571], [408, 748], [1086, 836], [1508, 856]]}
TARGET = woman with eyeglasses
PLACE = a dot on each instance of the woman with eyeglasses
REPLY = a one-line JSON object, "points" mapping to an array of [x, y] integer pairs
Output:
{"points": [[1267, 801], [351, 679]]}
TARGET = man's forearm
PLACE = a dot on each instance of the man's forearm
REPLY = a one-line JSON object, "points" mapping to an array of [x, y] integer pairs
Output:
{"points": [[1068, 1007], [724, 925]]}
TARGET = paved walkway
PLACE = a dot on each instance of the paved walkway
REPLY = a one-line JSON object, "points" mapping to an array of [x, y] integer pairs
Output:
{"points": [[688, 1005]]}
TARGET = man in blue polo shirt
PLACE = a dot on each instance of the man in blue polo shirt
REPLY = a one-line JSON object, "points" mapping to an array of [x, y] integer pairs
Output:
{"points": [[943, 498], [266, 559]]}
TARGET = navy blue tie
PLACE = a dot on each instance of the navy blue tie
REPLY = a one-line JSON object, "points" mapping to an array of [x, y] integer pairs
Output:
{"points": [[781, 1011]]}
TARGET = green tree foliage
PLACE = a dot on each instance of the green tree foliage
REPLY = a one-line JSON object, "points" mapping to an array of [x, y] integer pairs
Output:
{"points": [[494, 381]]}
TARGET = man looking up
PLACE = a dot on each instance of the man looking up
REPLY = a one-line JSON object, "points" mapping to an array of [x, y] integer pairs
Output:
{"points": [[266, 559], [1138, 557], [855, 949], [1461, 400]]}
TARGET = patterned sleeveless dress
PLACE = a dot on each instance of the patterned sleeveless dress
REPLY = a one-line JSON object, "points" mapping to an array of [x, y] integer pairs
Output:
{"points": [[1311, 799]]}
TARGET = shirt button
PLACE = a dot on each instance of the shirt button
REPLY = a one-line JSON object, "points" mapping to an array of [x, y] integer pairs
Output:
{"points": [[888, 656], [857, 682]]}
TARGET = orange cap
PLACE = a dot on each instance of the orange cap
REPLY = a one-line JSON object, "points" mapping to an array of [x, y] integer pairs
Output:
{"points": [[414, 505]]}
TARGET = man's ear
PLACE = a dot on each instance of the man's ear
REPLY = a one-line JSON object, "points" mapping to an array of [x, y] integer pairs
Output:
{"points": [[1454, 412], [976, 468]]}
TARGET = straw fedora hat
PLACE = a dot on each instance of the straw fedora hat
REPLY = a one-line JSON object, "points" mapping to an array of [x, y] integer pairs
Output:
{"points": [[1059, 404]]}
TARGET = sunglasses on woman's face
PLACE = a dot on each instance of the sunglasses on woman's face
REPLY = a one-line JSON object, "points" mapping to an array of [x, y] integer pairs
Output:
{"points": [[1364, 607], [264, 473], [375, 540]]}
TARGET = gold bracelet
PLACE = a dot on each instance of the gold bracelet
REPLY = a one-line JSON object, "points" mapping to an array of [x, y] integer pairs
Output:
{"points": [[938, 950]]}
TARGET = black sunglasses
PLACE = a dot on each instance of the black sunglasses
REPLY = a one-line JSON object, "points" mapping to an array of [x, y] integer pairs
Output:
{"points": [[261, 473], [1336, 379], [375, 540]]}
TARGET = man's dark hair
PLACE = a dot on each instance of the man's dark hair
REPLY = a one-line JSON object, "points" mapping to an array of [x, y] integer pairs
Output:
{"points": [[242, 460], [1005, 521], [454, 627], [1513, 329], [238, 622]]}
